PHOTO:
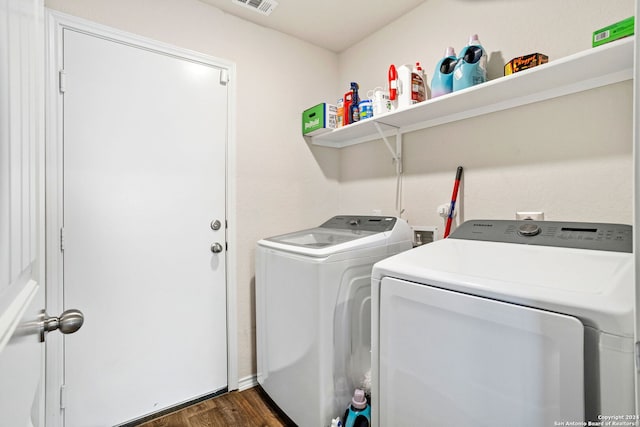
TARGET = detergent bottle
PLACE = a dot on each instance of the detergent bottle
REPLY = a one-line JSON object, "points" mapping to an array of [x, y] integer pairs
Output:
{"points": [[471, 68], [442, 82], [347, 99], [358, 414], [393, 87], [410, 86], [419, 82]]}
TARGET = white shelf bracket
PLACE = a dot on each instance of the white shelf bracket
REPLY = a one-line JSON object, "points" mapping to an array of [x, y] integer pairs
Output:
{"points": [[397, 153]]}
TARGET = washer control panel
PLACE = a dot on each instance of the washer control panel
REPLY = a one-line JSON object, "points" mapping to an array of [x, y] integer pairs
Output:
{"points": [[579, 235]]}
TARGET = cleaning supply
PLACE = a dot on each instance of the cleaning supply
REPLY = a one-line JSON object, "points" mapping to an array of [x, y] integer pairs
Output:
{"points": [[347, 100], [358, 414], [393, 84], [525, 62], [366, 109], [454, 198], [471, 68], [613, 32], [420, 80], [340, 113], [442, 82], [355, 104], [410, 85], [319, 119], [380, 101]]}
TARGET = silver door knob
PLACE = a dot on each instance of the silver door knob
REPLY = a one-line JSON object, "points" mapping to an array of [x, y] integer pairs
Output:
{"points": [[215, 225], [216, 248], [68, 322]]}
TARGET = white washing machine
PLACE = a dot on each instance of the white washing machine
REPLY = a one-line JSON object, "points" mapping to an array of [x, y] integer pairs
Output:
{"points": [[506, 323], [313, 312]]}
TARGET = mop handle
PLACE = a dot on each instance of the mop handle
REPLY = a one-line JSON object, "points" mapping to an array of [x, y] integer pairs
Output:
{"points": [[454, 197]]}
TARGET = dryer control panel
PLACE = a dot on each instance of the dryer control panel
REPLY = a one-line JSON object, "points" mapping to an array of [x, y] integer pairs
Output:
{"points": [[579, 235]]}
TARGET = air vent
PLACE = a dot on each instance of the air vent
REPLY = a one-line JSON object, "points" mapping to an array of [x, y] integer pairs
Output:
{"points": [[264, 7]]}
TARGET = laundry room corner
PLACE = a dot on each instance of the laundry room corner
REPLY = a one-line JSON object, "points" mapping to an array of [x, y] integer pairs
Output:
{"points": [[278, 179], [570, 157]]}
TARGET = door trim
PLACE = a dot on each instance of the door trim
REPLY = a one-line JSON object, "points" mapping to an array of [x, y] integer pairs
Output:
{"points": [[56, 23]]}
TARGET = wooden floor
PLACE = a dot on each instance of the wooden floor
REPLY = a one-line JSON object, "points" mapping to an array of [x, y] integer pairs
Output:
{"points": [[248, 408]]}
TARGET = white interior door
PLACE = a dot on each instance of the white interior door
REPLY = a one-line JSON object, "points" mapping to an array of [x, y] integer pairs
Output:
{"points": [[144, 178], [21, 213]]}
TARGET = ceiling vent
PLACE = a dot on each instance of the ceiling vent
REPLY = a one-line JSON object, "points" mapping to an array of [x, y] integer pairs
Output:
{"points": [[264, 7]]}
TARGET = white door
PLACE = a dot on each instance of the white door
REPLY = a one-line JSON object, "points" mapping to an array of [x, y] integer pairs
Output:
{"points": [[144, 179], [21, 220]]}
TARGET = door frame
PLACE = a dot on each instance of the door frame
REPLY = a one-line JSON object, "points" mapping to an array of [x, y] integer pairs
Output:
{"points": [[56, 23]]}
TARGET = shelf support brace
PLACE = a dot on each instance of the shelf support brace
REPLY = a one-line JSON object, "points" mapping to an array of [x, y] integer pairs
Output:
{"points": [[397, 158], [397, 153]]}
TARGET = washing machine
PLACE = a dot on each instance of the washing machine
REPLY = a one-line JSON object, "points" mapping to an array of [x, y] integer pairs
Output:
{"points": [[313, 312], [506, 323]]}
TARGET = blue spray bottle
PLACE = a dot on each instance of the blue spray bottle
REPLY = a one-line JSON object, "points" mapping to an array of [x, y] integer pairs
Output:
{"points": [[442, 82], [471, 68], [355, 104], [358, 414]]}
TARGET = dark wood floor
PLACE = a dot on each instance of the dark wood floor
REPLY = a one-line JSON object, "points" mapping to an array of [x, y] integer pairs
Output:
{"points": [[248, 408]]}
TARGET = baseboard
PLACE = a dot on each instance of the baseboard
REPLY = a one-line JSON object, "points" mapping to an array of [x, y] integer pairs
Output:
{"points": [[247, 382]]}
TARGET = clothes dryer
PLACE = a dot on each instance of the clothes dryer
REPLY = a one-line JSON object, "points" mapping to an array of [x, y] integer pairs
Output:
{"points": [[506, 323], [313, 312]]}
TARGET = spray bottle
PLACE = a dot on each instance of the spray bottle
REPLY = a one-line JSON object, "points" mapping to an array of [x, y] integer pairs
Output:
{"points": [[471, 68], [355, 104], [442, 82], [358, 414]]}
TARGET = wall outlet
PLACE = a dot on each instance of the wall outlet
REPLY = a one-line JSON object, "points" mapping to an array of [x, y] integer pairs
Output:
{"points": [[423, 234], [531, 216]]}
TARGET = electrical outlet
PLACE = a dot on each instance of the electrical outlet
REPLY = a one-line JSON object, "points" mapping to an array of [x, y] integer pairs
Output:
{"points": [[532, 216]]}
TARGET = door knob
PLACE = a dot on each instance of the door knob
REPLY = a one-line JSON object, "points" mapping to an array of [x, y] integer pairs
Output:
{"points": [[216, 248], [215, 225], [68, 322]]}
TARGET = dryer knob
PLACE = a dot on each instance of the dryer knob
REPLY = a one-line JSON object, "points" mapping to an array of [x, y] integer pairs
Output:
{"points": [[529, 230]]}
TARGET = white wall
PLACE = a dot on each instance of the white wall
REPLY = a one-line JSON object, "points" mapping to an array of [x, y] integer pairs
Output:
{"points": [[282, 183], [569, 157]]}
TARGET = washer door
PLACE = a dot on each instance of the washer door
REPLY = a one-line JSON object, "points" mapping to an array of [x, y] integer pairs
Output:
{"points": [[448, 358]]}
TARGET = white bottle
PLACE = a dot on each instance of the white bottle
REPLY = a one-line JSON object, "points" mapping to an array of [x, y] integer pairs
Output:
{"points": [[411, 87]]}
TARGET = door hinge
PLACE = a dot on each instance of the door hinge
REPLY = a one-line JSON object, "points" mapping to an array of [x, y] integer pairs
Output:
{"points": [[224, 77], [63, 396], [638, 356], [62, 81], [62, 239]]}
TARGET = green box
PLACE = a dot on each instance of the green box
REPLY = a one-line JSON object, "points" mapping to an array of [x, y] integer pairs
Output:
{"points": [[319, 119], [613, 32]]}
